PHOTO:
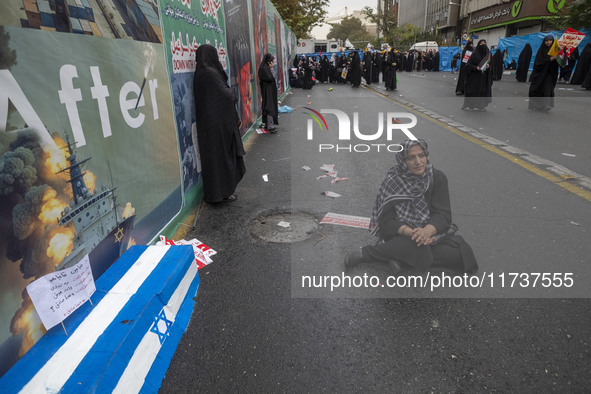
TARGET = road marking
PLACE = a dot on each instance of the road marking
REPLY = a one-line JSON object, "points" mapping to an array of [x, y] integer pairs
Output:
{"points": [[555, 173]]}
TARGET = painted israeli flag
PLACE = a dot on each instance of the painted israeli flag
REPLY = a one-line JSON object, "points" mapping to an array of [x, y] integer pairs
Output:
{"points": [[124, 344]]}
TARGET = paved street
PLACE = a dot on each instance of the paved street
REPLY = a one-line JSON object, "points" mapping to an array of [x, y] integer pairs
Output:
{"points": [[257, 327]]}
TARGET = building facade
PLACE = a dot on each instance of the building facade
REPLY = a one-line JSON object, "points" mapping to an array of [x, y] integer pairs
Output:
{"points": [[488, 19]]}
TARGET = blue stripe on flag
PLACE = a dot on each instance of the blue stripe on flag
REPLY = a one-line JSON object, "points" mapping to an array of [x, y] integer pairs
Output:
{"points": [[100, 370], [114, 348], [160, 365], [24, 370]]}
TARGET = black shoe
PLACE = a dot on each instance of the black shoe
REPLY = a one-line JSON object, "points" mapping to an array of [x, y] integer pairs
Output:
{"points": [[353, 259], [272, 130]]}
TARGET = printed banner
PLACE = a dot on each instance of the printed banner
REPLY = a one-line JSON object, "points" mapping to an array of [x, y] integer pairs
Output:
{"points": [[345, 220], [570, 39]]}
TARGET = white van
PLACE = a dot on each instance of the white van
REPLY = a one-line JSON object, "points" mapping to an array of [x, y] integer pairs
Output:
{"points": [[424, 46]]}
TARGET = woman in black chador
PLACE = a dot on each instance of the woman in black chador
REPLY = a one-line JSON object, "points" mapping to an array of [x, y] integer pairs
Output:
{"points": [[324, 69], [412, 218], [462, 75], [583, 66], [367, 68], [308, 72], [523, 64], [269, 93], [390, 70], [355, 70], [543, 78], [497, 67], [478, 86], [218, 134]]}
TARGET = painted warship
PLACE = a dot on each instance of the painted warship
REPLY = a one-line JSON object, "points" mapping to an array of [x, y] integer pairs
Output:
{"points": [[99, 231]]}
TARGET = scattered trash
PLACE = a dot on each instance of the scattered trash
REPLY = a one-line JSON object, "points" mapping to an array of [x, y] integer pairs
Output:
{"points": [[566, 177], [331, 194], [306, 168], [202, 252], [327, 167], [285, 158], [574, 223], [285, 109], [262, 131], [309, 103], [338, 180], [283, 224], [509, 107], [266, 177], [568, 155], [330, 89], [395, 121]]}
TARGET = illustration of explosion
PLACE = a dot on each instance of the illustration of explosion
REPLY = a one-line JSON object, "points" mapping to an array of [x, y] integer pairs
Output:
{"points": [[32, 199]]}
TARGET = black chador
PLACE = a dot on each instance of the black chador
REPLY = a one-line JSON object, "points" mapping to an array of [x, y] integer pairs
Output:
{"points": [[543, 78], [583, 66], [466, 53], [523, 64], [377, 67], [497, 65], [220, 146], [478, 87], [268, 91], [355, 70], [390, 70], [308, 73], [436, 59], [367, 67]]}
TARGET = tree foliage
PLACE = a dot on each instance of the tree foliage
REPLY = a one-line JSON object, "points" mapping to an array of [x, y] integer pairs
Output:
{"points": [[302, 16], [577, 15], [350, 28], [384, 19]]}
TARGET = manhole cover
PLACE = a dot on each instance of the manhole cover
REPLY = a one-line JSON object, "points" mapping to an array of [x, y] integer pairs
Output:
{"points": [[283, 227]]}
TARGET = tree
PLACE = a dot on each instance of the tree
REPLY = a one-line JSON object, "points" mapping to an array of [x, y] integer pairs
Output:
{"points": [[301, 16], [576, 16], [384, 19], [350, 28]]}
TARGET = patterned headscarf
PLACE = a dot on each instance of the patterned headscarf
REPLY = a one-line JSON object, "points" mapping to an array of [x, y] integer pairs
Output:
{"points": [[405, 187]]}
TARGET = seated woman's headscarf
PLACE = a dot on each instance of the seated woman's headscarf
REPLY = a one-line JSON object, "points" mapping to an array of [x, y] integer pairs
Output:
{"points": [[407, 189]]}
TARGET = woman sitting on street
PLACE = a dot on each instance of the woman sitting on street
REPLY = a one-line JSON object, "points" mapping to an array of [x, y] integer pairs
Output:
{"points": [[412, 217]]}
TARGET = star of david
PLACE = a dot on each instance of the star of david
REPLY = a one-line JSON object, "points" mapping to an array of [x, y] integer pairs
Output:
{"points": [[161, 326], [119, 234]]}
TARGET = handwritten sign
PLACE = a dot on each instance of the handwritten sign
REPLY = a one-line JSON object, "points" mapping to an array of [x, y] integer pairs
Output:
{"points": [[570, 39], [57, 295]]}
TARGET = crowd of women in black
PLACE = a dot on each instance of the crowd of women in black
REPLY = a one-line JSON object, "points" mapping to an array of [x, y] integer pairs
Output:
{"points": [[371, 65], [478, 70]]}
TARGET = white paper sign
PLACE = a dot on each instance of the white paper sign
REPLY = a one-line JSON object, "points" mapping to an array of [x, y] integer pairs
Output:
{"points": [[57, 295]]}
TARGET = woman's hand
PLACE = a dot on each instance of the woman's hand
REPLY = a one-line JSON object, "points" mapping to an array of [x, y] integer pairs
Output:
{"points": [[424, 235]]}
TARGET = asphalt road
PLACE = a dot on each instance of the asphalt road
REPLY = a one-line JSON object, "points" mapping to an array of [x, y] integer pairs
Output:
{"points": [[256, 328]]}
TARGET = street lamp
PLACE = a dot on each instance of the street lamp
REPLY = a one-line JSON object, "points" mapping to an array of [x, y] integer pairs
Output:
{"points": [[469, 15]]}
